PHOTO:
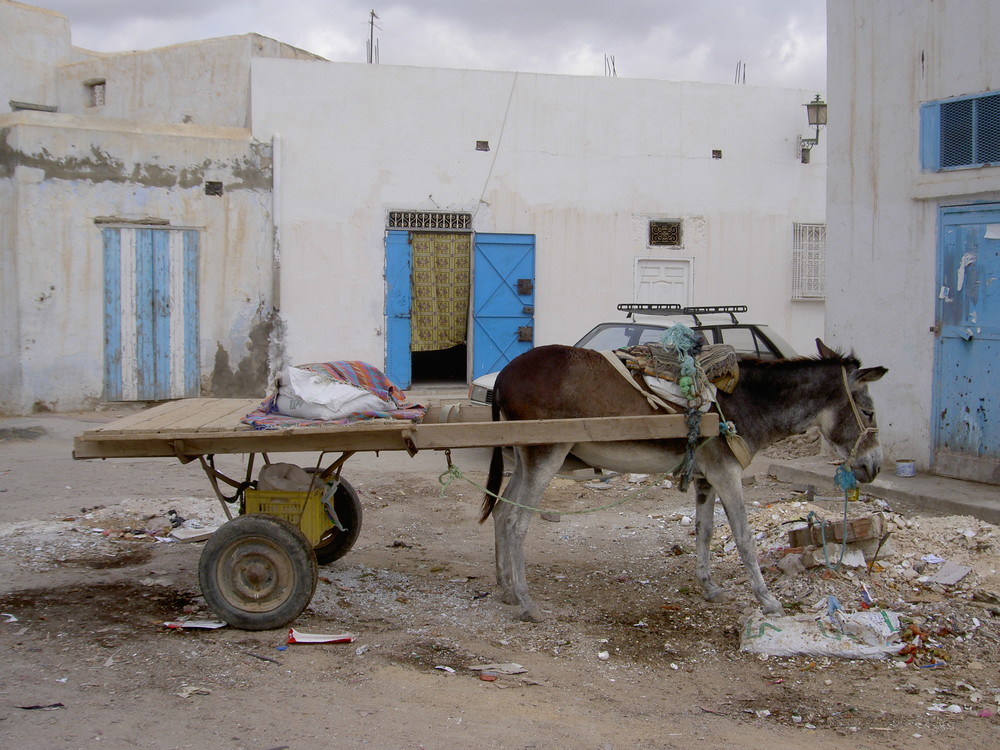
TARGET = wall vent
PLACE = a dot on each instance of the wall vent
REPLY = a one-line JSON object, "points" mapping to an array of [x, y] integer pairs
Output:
{"points": [[432, 220], [665, 233]]}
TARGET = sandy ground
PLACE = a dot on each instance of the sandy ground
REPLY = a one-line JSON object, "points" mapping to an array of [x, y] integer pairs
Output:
{"points": [[629, 657]]}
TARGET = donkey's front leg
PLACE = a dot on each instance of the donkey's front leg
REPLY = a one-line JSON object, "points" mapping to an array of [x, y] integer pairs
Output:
{"points": [[727, 480], [704, 523]]}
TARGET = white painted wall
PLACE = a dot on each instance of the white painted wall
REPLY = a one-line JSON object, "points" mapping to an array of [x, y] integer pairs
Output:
{"points": [[583, 163], [886, 57]]}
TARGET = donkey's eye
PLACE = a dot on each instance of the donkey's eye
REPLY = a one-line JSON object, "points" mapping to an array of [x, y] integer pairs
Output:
{"points": [[869, 415]]}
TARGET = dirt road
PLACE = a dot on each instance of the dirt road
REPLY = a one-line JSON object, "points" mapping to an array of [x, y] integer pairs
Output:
{"points": [[629, 657]]}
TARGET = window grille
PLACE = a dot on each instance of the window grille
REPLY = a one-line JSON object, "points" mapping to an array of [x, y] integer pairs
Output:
{"points": [[436, 220], [960, 133], [809, 261], [96, 91], [665, 233]]}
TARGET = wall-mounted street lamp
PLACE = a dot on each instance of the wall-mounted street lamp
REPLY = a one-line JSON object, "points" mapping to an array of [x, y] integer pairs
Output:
{"points": [[816, 111]]}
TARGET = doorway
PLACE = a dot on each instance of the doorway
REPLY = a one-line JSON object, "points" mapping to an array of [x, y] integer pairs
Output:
{"points": [[431, 279], [966, 405]]}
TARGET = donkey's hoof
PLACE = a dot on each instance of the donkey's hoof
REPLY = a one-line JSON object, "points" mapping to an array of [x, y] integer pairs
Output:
{"points": [[715, 595], [773, 607], [532, 614]]}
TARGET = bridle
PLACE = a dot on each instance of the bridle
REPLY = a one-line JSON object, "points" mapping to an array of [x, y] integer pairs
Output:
{"points": [[864, 431]]}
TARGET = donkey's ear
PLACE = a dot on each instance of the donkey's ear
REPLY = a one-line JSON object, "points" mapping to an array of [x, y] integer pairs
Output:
{"points": [[826, 352], [870, 374]]}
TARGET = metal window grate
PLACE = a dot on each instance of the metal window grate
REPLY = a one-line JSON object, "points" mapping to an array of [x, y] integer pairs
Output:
{"points": [[970, 131], [429, 220], [665, 233], [96, 92], [808, 261]]}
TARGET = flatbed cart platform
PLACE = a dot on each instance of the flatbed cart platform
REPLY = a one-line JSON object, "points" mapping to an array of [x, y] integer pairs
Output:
{"points": [[258, 571]]}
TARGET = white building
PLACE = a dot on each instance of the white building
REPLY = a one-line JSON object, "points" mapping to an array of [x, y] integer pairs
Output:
{"points": [[914, 221], [363, 207]]}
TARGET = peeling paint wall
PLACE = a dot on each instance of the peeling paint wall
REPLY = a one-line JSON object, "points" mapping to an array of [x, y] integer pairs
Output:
{"points": [[67, 176]]}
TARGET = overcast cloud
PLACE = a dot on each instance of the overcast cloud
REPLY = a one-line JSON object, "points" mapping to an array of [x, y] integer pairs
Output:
{"points": [[781, 42]]}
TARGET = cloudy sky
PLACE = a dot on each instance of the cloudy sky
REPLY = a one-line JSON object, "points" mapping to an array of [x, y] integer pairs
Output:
{"points": [[780, 42]]}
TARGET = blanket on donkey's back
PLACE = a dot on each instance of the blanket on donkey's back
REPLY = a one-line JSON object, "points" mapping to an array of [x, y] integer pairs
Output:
{"points": [[323, 393]]}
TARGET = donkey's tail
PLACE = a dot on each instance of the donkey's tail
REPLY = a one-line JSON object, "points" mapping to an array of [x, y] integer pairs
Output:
{"points": [[495, 478], [492, 484]]}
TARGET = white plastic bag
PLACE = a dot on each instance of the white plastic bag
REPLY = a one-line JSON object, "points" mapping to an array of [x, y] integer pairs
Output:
{"points": [[871, 634], [312, 395]]}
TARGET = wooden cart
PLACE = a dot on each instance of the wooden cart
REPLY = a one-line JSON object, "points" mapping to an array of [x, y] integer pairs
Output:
{"points": [[259, 570]]}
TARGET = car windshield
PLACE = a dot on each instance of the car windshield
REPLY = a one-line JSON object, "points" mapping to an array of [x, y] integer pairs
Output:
{"points": [[757, 341], [619, 335]]}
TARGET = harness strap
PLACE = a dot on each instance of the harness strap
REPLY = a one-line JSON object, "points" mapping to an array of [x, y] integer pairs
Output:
{"points": [[864, 431], [654, 400]]}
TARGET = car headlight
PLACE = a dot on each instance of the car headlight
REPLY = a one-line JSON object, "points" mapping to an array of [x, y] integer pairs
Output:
{"points": [[479, 394]]}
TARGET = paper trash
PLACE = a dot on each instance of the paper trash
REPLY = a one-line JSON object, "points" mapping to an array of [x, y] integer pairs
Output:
{"points": [[203, 624], [507, 668], [870, 634], [295, 636]]}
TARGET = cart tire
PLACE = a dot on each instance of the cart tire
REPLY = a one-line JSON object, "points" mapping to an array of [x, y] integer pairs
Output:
{"points": [[336, 543], [258, 572]]}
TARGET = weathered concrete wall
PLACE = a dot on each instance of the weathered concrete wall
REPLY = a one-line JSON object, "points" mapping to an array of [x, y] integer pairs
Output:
{"points": [[582, 163], [62, 173], [205, 82], [886, 57], [27, 36]]}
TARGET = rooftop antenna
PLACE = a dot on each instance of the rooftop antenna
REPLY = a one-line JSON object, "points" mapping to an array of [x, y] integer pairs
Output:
{"points": [[372, 41], [741, 72], [609, 66]]}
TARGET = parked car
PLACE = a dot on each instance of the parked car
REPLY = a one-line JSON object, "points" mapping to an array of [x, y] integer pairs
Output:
{"points": [[645, 323]]}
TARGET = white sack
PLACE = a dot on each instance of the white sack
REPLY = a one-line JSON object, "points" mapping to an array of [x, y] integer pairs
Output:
{"points": [[312, 395]]}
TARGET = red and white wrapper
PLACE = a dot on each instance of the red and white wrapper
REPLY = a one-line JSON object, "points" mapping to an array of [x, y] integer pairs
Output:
{"points": [[295, 636]]}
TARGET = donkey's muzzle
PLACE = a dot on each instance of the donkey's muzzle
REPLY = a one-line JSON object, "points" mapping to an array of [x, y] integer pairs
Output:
{"points": [[866, 470]]}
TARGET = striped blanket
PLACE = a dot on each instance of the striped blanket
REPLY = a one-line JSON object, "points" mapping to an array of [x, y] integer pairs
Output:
{"points": [[359, 374]]}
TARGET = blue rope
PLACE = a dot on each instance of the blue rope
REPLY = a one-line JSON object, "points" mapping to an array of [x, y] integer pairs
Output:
{"points": [[687, 344], [845, 479]]}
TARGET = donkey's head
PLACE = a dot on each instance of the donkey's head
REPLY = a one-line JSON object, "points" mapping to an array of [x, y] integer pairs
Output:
{"points": [[849, 423]]}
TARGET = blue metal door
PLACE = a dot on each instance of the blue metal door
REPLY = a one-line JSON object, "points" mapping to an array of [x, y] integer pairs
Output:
{"points": [[503, 299], [150, 314], [966, 399], [398, 299]]}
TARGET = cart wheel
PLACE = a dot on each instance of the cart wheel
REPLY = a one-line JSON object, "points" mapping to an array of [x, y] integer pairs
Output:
{"points": [[336, 543], [257, 572]]}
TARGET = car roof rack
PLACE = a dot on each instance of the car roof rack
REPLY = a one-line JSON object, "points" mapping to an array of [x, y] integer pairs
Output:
{"points": [[670, 309]]}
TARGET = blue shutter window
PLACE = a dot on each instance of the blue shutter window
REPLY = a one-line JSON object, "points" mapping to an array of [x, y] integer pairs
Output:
{"points": [[960, 133]]}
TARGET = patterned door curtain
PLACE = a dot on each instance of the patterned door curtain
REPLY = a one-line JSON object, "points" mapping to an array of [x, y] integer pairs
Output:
{"points": [[441, 275]]}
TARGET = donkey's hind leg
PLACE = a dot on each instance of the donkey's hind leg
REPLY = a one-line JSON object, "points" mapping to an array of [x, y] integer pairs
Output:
{"points": [[704, 525], [534, 467]]}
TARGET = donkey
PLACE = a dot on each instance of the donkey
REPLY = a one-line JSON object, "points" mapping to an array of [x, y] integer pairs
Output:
{"points": [[772, 400]]}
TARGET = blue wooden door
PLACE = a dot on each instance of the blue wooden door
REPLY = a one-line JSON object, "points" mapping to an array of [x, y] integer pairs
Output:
{"points": [[150, 314], [398, 301], [503, 299], [967, 356]]}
